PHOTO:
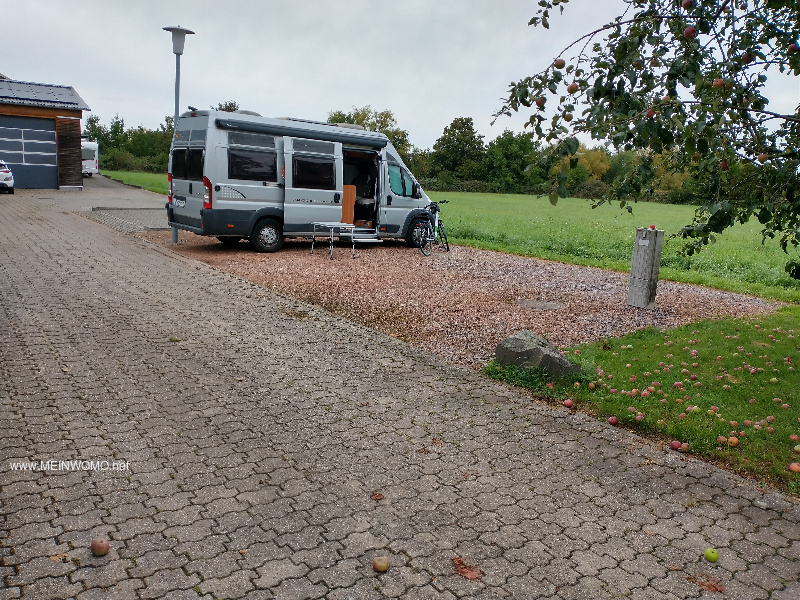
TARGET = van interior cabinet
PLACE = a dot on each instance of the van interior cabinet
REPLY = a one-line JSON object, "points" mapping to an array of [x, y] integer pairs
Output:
{"points": [[348, 203]]}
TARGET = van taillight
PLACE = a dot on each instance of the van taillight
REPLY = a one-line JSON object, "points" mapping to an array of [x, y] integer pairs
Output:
{"points": [[206, 193], [169, 181]]}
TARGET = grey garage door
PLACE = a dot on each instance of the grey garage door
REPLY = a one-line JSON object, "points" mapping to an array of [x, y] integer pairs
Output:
{"points": [[28, 146]]}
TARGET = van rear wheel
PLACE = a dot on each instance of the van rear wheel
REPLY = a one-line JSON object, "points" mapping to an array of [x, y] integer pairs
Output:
{"points": [[267, 236]]}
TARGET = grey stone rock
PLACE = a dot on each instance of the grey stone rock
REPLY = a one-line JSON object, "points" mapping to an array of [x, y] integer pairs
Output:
{"points": [[526, 349]]}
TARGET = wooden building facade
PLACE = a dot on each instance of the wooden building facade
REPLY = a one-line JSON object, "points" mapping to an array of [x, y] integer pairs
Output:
{"points": [[40, 134]]}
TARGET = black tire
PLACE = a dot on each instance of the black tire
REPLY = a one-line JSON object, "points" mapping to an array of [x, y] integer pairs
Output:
{"points": [[443, 238], [267, 236], [413, 237], [11, 191], [228, 240]]}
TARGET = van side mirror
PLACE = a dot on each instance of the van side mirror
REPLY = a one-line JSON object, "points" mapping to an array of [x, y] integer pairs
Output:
{"points": [[416, 191]]}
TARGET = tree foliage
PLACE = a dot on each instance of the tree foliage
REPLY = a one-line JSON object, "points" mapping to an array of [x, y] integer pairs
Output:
{"points": [[687, 79], [383, 121], [459, 152]]}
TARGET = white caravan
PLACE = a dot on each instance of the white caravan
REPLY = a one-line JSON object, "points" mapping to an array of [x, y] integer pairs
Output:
{"points": [[89, 157], [242, 176]]}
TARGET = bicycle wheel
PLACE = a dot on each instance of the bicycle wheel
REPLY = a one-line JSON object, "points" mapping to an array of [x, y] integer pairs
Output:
{"points": [[443, 238], [426, 239]]}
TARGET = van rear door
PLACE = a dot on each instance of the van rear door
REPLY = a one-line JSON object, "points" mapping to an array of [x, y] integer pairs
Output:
{"points": [[313, 176], [187, 167]]}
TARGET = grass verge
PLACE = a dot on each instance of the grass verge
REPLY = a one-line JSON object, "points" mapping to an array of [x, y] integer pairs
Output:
{"points": [[729, 388], [155, 182]]}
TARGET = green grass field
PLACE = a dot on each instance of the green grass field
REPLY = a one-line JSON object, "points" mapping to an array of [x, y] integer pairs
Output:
{"points": [[575, 233], [155, 182]]}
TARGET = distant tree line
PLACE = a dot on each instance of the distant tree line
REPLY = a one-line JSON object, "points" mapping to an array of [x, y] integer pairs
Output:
{"points": [[460, 160]]}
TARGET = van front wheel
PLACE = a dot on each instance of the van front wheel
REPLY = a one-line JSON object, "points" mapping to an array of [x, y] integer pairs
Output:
{"points": [[267, 236], [416, 232]]}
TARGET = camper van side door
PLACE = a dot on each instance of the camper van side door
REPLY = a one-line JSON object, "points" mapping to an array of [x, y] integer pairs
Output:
{"points": [[313, 177]]}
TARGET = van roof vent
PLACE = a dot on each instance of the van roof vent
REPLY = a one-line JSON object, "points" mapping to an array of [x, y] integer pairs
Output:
{"points": [[350, 126], [252, 113]]}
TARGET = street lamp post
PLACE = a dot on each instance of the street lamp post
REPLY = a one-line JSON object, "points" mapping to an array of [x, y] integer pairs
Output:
{"points": [[178, 39]]}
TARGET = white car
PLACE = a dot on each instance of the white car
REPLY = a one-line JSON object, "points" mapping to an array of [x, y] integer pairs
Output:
{"points": [[6, 178]]}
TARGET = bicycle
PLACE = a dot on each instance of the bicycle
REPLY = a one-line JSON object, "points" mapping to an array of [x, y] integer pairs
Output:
{"points": [[432, 232]]}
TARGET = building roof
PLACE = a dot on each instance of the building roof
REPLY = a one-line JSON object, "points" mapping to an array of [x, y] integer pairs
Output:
{"points": [[23, 93]]}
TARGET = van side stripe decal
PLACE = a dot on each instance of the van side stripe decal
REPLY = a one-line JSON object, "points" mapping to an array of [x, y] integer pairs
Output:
{"points": [[371, 141]]}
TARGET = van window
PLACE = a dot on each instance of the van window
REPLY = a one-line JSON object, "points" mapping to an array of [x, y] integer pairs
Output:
{"points": [[194, 165], [87, 153], [259, 140], [252, 165], [301, 145], [187, 164], [395, 180], [400, 181], [179, 163], [314, 173]]}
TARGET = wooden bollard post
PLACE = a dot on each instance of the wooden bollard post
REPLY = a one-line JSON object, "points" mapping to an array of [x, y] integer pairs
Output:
{"points": [[644, 267]]}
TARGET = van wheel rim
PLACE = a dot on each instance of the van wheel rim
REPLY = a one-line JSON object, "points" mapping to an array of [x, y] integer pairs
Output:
{"points": [[268, 236]]}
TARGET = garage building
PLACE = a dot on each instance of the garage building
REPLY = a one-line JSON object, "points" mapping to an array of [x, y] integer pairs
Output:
{"points": [[40, 134]]}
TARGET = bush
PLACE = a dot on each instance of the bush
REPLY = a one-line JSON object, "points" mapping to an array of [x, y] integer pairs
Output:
{"points": [[681, 196], [122, 160], [591, 189]]}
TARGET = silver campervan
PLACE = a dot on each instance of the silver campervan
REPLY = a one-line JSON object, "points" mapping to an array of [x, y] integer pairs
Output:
{"points": [[242, 176]]}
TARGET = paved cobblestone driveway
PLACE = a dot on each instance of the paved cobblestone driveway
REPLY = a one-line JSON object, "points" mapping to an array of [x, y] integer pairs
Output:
{"points": [[275, 449]]}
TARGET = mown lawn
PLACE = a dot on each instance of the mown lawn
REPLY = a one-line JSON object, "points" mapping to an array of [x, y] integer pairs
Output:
{"points": [[575, 233], [155, 182]]}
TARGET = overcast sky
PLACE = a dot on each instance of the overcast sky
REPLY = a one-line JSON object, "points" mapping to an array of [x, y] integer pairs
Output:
{"points": [[428, 61]]}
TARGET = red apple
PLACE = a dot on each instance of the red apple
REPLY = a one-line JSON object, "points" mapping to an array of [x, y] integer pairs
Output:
{"points": [[687, 4], [559, 63], [747, 58], [651, 113], [675, 445], [733, 441], [792, 48], [573, 87], [100, 546], [723, 166], [540, 101], [612, 420], [763, 157], [794, 467], [568, 403], [718, 83], [690, 33], [652, 226]]}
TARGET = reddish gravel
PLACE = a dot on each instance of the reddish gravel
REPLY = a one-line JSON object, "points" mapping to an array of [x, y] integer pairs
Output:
{"points": [[460, 304]]}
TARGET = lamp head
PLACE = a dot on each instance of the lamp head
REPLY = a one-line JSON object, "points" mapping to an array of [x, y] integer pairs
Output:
{"points": [[178, 37]]}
